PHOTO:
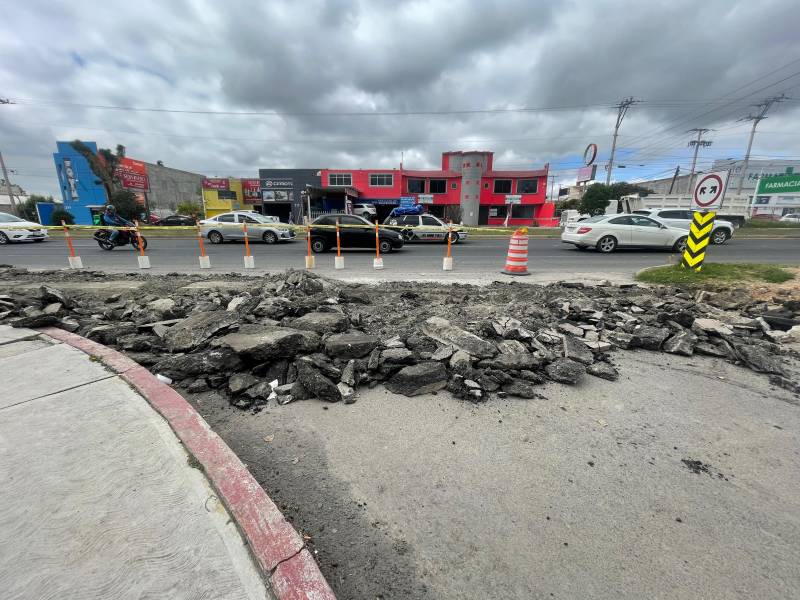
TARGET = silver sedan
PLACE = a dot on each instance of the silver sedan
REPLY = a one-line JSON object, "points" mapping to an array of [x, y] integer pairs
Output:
{"points": [[229, 226], [606, 233]]}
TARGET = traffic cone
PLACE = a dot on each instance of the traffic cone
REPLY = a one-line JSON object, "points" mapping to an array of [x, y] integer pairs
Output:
{"points": [[517, 260]]}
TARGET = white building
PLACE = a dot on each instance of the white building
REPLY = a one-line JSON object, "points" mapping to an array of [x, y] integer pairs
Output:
{"points": [[20, 196]]}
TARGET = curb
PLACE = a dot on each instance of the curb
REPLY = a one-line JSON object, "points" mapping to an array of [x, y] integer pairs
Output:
{"points": [[280, 552]]}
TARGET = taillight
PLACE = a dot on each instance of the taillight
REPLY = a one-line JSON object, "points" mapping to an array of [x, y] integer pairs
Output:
{"points": [[584, 229]]}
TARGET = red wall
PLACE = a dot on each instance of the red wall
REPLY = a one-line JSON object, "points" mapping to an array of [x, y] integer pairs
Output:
{"points": [[360, 179]]}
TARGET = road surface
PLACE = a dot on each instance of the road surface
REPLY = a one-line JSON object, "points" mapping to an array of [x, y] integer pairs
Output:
{"points": [[474, 259]]}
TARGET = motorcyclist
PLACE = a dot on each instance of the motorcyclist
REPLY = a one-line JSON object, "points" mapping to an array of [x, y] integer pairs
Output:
{"points": [[112, 219]]}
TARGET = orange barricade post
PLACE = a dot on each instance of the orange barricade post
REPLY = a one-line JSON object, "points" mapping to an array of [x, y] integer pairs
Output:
{"points": [[144, 261], [310, 258], [338, 262], [249, 261], [205, 261], [447, 263], [517, 260], [75, 262], [378, 262]]}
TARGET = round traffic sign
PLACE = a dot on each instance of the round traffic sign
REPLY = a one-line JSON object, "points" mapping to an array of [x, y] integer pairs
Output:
{"points": [[589, 154], [708, 190]]}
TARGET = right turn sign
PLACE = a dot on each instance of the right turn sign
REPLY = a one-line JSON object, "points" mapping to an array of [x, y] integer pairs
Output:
{"points": [[709, 191]]}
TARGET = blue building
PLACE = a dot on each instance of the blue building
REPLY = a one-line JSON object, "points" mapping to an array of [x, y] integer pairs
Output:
{"points": [[81, 190]]}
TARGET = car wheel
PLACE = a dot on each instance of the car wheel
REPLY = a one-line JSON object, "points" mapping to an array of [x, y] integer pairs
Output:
{"points": [[318, 245], [453, 238], [680, 245], [3, 238], [720, 236], [385, 246], [607, 244], [215, 237], [269, 237]]}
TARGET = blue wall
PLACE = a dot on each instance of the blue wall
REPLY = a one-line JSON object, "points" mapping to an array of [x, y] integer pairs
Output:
{"points": [[83, 189]]}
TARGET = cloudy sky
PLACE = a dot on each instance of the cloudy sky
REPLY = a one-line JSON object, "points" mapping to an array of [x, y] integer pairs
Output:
{"points": [[223, 88]]}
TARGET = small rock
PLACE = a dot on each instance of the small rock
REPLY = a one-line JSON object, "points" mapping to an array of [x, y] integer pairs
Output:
{"points": [[648, 337], [55, 308], [565, 370], [349, 375], [681, 343], [239, 382], [421, 378], [711, 326], [511, 347], [397, 356], [350, 345], [620, 339], [316, 383], [443, 353], [461, 363], [603, 370], [191, 332], [197, 386], [322, 322], [445, 332], [347, 392], [521, 389], [570, 329], [577, 350]]}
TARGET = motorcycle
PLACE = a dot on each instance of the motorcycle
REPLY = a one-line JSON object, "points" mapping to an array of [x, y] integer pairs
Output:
{"points": [[125, 237]]}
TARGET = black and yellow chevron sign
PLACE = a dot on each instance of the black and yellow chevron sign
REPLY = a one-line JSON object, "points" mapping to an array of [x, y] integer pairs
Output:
{"points": [[699, 237]]}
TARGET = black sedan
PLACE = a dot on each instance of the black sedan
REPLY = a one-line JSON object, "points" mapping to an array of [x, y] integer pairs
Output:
{"points": [[324, 238], [178, 220]]}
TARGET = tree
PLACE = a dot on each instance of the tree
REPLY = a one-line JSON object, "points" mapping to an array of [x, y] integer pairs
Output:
{"points": [[61, 215], [623, 188], [102, 164], [190, 209], [595, 199], [28, 208], [125, 203]]}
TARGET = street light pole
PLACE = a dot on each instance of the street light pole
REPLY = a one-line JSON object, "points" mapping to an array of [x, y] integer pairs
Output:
{"points": [[756, 119], [9, 191], [622, 110]]}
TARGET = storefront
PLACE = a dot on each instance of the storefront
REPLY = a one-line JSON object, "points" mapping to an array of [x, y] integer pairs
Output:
{"points": [[776, 197], [281, 192]]}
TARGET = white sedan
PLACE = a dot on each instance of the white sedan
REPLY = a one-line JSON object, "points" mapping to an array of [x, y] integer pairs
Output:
{"points": [[606, 233], [229, 226], [791, 218], [14, 229]]}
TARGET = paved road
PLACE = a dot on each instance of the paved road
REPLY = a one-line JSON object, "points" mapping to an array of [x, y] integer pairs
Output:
{"points": [[477, 258], [581, 495]]}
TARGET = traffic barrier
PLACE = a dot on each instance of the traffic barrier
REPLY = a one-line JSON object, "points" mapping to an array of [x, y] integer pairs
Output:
{"points": [[311, 261], [447, 263], [338, 262], [377, 263], [517, 259], [75, 262], [249, 261], [144, 261], [205, 261], [699, 237]]}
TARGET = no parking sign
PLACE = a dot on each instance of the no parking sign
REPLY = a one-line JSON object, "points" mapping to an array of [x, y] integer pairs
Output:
{"points": [[709, 191]]}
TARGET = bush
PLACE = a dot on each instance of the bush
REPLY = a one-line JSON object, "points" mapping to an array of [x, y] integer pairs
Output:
{"points": [[190, 209], [125, 203], [59, 215]]}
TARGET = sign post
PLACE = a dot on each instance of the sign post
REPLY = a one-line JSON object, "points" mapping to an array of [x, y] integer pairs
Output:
{"points": [[706, 200]]}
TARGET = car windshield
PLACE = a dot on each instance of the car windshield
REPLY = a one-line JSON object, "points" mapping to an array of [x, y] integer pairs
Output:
{"points": [[6, 218], [596, 219]]}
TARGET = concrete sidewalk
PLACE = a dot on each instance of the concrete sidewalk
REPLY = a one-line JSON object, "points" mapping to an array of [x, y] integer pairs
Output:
{"points": [[98, 498]]}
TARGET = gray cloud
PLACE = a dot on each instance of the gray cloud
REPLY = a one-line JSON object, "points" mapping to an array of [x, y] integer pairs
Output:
{"points": [[392, 56]]}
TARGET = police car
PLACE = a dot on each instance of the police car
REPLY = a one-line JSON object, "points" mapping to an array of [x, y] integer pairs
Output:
{"points": [[425, 228]]}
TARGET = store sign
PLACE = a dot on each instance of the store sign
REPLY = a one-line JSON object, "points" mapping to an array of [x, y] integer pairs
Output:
{"points": [[132, 174], [406, 201], [513, 199], [215, 183], [275, 196], [70, 173], [786, 184], [282, 183], [586, 173], [251, 190], [425, 198]]}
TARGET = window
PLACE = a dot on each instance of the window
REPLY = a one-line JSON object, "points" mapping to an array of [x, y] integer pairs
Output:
{"points": [[416, 186], [411, 220], [228, 218], [486, 185], [5, 218], [353, 220], [325, 221], [643, 221], [502, 186], [248, 219], [454, 186], [340, 179], [438, 186], [381, 180], [621, 221], [672, 214], [527, 186], [429, 220]]}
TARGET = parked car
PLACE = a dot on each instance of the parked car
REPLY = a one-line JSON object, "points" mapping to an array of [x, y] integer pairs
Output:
{"points": [[606, 233], [682, 219], [28, 231], [178, 220], [428, 228], [368, 211], [228, 227], [324, 238], [791, 218]]}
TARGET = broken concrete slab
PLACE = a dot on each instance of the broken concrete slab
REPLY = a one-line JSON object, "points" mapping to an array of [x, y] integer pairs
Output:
{"points": [[422, 378], [193, 331], [272, 342], [350, 345], [445, 332]]}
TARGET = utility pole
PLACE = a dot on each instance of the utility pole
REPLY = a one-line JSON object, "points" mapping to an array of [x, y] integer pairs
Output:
{"points": [[14, 206], [696, 143], [552, 183], [674, 177], [756, 119], [622, 109]]}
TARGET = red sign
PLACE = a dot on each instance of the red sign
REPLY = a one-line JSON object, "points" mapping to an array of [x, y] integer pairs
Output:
{"points": [[213, 183], [132, 174], [586, 173], [251, 190]]}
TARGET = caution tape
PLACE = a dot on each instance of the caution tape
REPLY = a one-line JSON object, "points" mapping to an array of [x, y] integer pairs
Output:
{"points": [[698, 240]]}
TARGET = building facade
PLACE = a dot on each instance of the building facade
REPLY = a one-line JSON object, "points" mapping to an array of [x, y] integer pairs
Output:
{"points": [[282, 192], [170, 187], [20, 196], [466, 189], [82, 193]]}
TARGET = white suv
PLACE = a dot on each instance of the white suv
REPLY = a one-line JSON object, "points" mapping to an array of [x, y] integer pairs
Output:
{"points": [[367, 211], [682, 219]]}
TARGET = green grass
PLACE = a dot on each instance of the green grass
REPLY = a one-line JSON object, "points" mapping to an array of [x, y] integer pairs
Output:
{"points": [[763, 224], [717, 273]]}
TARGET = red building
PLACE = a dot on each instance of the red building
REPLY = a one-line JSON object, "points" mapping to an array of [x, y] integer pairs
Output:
{"points": [[467, 189]]}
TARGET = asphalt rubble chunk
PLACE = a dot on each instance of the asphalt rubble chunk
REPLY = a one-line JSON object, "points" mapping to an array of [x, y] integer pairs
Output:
{"points": [[292, 336]]}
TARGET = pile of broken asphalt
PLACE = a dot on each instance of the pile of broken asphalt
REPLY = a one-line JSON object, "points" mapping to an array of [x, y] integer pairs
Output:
{"points": [[295, 335]]}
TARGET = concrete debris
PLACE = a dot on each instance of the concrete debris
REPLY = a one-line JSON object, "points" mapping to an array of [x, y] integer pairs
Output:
{"points": [[319, 338]]}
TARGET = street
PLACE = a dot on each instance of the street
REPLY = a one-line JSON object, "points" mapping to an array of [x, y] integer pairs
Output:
{"points": [[475, 260]]}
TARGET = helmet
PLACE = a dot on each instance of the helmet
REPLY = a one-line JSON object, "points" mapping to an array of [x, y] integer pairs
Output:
{"points": [[110, 209]]}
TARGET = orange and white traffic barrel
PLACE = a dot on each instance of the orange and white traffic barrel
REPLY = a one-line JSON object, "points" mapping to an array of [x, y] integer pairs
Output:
{"points": [[517, 259]]}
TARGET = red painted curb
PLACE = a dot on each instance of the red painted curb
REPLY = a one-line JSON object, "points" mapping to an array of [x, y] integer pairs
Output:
{"points": [[277, 547]]}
